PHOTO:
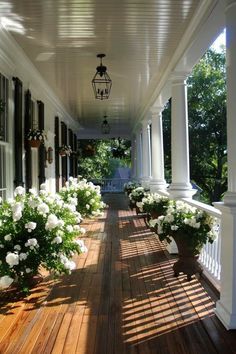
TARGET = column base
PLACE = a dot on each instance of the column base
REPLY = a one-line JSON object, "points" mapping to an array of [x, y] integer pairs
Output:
{"points": [[228, 319], [230, 198], [156, 185], [145, 182], [181, 190]]}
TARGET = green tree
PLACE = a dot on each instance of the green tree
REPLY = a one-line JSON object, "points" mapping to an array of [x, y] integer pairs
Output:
{"points": [[97, 160], [207, 126]]}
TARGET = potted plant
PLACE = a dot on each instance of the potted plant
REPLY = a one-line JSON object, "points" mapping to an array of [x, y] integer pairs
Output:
{"points": [[136, 196], [191, 228], [154, 205], [129, 186], [35, 137], [37, 230], [88, 196], [65, 150]]}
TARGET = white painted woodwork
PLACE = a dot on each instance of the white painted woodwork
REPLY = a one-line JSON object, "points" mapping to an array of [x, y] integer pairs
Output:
{"points": [[226, 306], [180, 186], [145, 153], [157, 176]]}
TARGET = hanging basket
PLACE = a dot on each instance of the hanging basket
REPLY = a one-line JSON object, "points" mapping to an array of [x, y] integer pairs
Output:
{"points": [[34, 143]]}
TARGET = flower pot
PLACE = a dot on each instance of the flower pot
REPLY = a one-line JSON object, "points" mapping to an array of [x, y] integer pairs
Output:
{"points": [[132, 204], [188, 258], [34, 143], [155, 214]]}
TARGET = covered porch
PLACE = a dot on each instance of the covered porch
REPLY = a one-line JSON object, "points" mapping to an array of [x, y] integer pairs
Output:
{"points": [[47, 60], [122, 298]]}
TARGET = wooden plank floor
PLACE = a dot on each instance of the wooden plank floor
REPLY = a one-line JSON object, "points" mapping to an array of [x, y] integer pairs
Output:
{"points": [[121, 299]]}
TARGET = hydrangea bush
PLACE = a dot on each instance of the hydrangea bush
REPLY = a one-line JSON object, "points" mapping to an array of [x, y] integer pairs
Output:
{"points": [[129, 186], [37, 230], [137, 195], [88, 196], [185, 221], [154, 203]]}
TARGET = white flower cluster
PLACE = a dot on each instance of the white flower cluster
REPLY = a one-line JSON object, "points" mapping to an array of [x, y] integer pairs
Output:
{"points": [[52, 225]]}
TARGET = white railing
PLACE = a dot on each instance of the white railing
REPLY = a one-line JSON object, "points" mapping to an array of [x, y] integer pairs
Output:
{"points": [[112, 185], [210, 255]]}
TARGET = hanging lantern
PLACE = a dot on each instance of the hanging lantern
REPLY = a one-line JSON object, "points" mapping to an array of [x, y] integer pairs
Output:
{"points": [[101, 81], [105, 126]]}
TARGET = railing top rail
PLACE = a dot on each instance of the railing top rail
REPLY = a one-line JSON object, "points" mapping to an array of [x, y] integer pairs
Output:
{"points": [[208, 208]]}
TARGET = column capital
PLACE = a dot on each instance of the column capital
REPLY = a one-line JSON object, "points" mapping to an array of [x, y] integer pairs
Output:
{"points": [[156, 110], [179, 77]]}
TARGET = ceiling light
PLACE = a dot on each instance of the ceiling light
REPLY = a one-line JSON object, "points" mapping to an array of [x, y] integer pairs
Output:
{"points": [[105, 126], [101, 81]]}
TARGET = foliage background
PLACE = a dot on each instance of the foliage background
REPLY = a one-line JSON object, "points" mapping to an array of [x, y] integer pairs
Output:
{"points": [[207, 127]]}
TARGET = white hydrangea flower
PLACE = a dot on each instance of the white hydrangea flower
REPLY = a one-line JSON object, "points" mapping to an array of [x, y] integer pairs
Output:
{"points": [[30, 226], [87, 193], [23, 256], [12, 259], [43, 186], [169, 218], [5, 281], [1, 245], [60, 223], [57, 240], [82, 230], [82, 246], [17, 209], [7, 237], [19, 191], [17, 247], [52, 222], [87, 206], [33, 191], [174, 227], [33, 203], [32, 242], [43, 208], [69, 228], [27, 270]]}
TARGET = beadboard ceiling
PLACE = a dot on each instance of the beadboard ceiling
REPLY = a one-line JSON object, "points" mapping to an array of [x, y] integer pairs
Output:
{"points": [[63, 37]]}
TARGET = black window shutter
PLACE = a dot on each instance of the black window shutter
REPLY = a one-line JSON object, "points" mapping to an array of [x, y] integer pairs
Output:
{"points": [[28, 126], [71, 159], [75, 172], [18, 132], [56, 143], [64, 158], [41, 147]]}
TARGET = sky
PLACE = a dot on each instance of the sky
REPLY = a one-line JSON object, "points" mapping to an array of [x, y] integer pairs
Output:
{"points": [[218, 42]]}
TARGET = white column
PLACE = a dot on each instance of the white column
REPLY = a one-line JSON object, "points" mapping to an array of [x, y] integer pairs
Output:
{"points": [[133, 158], [138, 156], [149, 151], [180, 186], [158, 174], [226, 306], [145, 178]]}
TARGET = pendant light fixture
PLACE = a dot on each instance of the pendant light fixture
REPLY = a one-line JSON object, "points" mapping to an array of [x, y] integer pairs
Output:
{"points": [[101, 82], [105, 127]]}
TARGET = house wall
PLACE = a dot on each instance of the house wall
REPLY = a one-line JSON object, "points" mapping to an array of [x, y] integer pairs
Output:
{"points": [[14, 63]]}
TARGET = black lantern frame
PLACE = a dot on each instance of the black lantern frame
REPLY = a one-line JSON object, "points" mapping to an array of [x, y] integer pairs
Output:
{"points": [[101, 82], [105, 127]]}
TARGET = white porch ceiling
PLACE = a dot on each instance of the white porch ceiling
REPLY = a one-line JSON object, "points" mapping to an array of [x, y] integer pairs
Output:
{"points": [[63, 37]]}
